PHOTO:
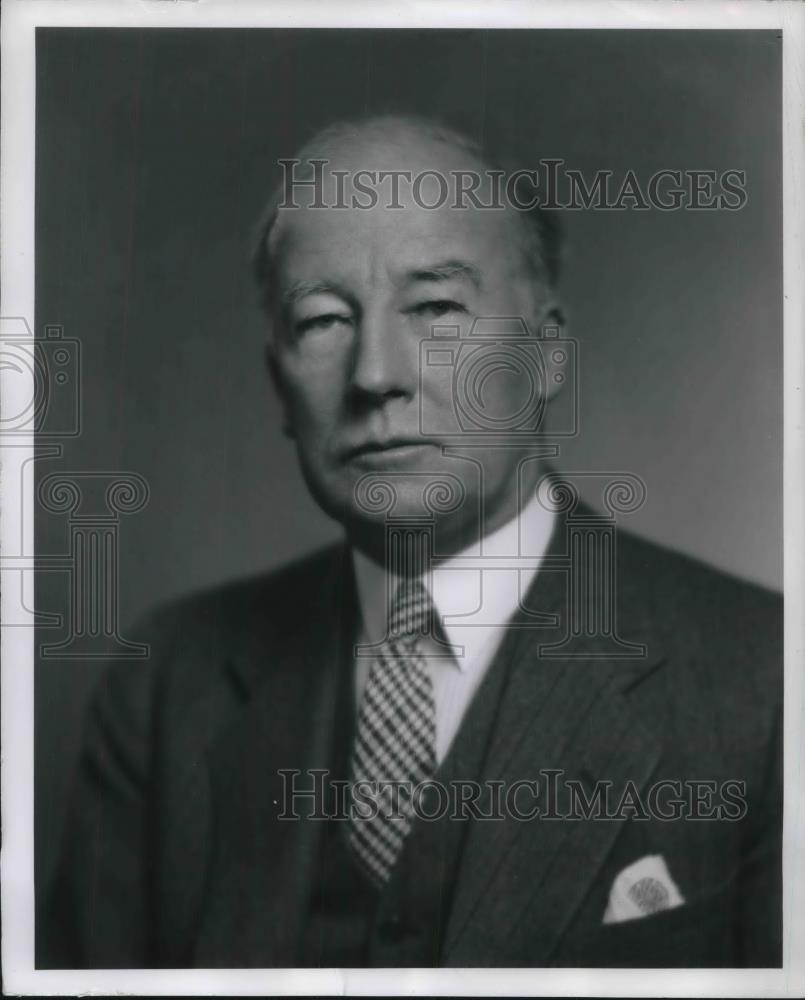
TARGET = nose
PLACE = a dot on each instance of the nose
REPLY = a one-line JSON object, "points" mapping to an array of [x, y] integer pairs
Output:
{"points": [[384, 362]]}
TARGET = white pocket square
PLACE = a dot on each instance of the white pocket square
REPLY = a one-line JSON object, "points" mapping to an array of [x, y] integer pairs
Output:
{"points": [[643, 888]]}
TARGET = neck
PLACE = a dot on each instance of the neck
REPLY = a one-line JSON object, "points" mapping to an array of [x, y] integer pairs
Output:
{"points": [[452, 534]]}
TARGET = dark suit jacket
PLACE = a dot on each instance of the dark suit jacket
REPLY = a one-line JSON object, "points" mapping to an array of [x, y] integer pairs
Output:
{"points": [[174, 855]]}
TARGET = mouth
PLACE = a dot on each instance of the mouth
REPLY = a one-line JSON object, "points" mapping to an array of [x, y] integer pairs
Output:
{"points": [[392, 450]]}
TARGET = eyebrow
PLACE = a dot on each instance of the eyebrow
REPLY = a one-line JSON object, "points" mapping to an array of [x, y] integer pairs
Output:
{"points": [[299, 289], [442, 271], [446, 270]]}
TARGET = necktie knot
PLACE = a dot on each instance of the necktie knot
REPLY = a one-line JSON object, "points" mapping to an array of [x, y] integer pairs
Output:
{"points": [[412, 612]]}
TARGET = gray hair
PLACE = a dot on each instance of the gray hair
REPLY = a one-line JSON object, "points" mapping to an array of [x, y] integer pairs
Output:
{"points": [[539, 228]]}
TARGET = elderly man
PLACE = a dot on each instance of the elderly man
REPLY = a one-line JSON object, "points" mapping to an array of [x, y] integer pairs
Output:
{"points": [[485, 730]]}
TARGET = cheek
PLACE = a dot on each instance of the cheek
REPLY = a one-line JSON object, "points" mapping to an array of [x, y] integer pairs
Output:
{"points": [[313, 394], [510, 391], [436, 381]]}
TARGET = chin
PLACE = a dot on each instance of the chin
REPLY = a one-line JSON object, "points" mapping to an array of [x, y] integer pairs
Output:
{"points": [[403, 495], [365, 501]]}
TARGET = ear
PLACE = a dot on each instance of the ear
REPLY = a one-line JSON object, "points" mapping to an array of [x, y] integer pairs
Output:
{"points": [[275, 373], [556, 357]]}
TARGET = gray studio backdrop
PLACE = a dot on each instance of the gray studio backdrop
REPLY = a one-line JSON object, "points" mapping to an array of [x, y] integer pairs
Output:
{"points": [[155, 152]]}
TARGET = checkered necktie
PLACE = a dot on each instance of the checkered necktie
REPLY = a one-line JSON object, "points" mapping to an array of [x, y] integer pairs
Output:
{"points": [[396, 736]]}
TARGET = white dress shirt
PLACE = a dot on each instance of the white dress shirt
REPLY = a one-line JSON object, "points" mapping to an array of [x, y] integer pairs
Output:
{"points": [[474, 602]]}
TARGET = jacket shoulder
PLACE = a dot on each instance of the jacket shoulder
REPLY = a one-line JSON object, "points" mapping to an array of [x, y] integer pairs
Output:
{"points": [[192, 637], [678, 586], [274, 596], [719, 638]]}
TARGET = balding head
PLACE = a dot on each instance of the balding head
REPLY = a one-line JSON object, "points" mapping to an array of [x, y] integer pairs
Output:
{"points": [[388, 162], [362, 276]]}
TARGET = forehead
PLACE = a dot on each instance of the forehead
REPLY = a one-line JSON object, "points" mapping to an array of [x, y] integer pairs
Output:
{"points": [[392, 240], [356, 242]]}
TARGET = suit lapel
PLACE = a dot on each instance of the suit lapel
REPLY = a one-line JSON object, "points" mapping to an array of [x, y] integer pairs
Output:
{"points": [[521, 882], [263, 865]]}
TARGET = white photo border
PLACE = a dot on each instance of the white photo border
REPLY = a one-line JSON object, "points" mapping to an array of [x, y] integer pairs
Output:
{"points": [[19, 22]]}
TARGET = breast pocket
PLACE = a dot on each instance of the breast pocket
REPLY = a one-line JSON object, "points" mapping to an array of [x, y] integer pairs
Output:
{"points": [[698, 934]]}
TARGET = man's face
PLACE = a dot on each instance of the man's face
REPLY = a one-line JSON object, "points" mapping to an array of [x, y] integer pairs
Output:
{"points": [[357, 292]]}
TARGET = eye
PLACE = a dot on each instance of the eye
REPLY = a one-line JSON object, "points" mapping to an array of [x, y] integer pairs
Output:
{"points": [[322, 321], [438, 307]]}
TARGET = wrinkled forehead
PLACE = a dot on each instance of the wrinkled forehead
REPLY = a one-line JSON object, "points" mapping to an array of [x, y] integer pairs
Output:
{"points": [[390, 201]]}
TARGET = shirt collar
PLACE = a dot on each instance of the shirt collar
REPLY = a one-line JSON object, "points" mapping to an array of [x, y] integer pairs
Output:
{"points": [[455, 588]]}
